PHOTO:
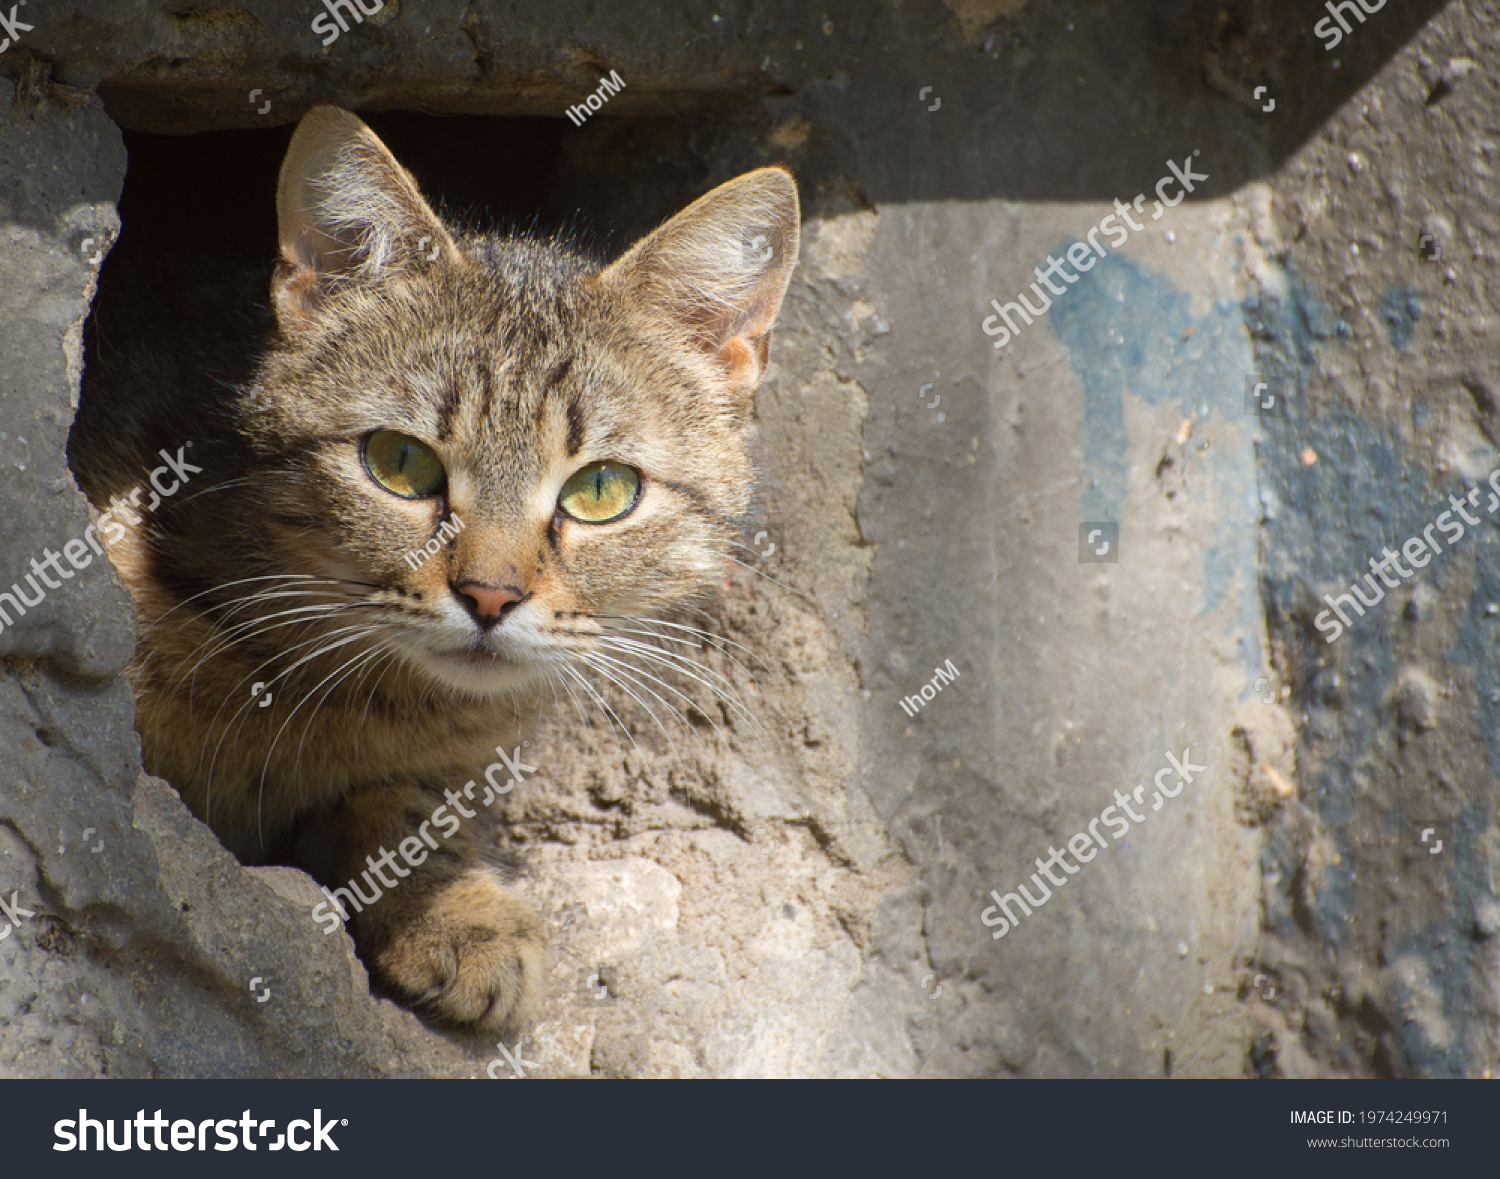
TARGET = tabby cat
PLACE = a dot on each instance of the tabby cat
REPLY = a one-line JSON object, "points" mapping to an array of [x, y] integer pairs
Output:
{"points": [[559, 448]]}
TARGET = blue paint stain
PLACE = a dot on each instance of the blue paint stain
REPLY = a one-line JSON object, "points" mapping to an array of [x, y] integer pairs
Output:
{"points": [[1296, 324], [1443, 946], [1333, 902], [1280, 862], [1330, 518], [1400, 308], [1477, 642], [1130, 333]]}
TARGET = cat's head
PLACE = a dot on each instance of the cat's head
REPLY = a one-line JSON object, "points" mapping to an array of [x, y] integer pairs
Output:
{"points": [[507, 449]]}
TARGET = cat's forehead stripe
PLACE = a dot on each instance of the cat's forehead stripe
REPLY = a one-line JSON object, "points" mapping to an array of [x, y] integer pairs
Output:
{"points": [[486, 388], [449, 398], [698, 503], [575, 427], [558, 373], [467, 397]]}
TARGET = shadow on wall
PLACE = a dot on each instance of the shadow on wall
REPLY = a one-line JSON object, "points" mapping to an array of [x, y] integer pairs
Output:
{"points": [[1016, 88]]}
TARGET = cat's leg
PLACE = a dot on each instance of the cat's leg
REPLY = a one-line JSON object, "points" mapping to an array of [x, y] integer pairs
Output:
{"points": [[445, 934]]}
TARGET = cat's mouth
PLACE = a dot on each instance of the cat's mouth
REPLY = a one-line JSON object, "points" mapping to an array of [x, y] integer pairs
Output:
{"points": [[478, 657], [485, 665], [476, 669]]}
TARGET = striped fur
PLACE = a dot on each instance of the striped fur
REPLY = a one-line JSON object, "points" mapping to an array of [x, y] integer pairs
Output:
{"points": [[517, 361]]}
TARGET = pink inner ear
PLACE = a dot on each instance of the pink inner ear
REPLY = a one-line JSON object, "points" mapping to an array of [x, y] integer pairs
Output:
{"points": [[742, 360], [738, 359], [294, 289]]}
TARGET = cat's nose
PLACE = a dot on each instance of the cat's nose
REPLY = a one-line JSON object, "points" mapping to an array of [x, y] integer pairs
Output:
{"points": [[487, 603]]}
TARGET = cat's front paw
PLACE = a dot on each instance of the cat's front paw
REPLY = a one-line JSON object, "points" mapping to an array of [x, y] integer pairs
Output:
{"points": [[470, 954]]}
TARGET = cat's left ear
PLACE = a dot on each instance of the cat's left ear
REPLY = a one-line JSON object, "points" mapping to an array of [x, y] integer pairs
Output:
{"points": [[346, 212], [717, 272]]}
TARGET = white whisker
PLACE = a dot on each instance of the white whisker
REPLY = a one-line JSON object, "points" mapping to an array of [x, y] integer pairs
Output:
{"points": [[595, 660], [684, 666], [609, 712], [266, 769]]}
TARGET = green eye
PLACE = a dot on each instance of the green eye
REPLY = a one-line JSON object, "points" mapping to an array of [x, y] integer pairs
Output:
{"points": [[401, 464], [600, 492]]}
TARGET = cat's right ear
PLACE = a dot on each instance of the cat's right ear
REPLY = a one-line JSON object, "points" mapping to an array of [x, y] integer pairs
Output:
{"points": [[347, 212], [716, 273]]}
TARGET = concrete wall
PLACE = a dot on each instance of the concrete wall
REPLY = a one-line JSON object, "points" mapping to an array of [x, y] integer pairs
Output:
{"points": [[808, 901]]}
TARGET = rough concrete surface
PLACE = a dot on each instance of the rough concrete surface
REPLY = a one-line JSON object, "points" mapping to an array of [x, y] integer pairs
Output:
{"points": [[807, 895]]}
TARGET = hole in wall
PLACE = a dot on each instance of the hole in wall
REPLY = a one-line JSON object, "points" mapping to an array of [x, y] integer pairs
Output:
{"points": [[212, 196]]}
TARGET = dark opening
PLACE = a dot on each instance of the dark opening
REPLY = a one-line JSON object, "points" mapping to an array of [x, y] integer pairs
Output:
{"points": [[212, 196]]}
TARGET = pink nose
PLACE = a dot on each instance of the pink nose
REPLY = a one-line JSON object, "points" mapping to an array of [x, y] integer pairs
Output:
{"points": [[488, 603]]}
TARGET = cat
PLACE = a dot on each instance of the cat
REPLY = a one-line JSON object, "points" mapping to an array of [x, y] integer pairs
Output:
{"points": [[572, 436]]}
